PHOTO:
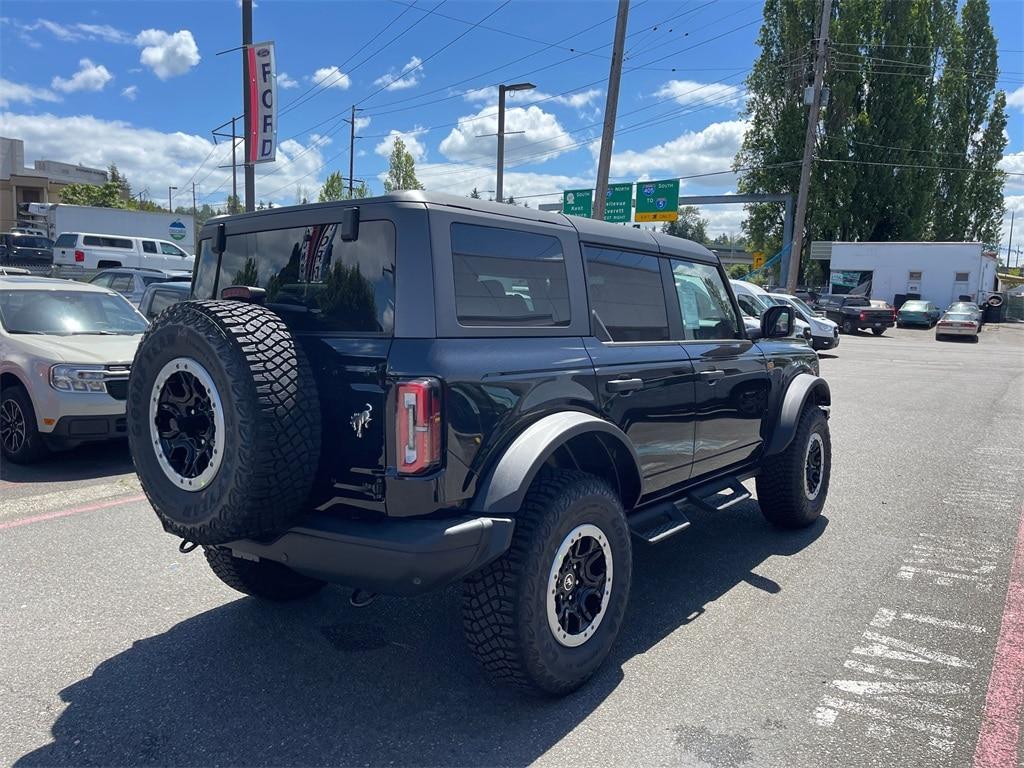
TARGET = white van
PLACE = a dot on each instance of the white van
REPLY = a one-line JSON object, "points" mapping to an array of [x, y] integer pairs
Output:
{"points": [[85, 251], [753, 300]]}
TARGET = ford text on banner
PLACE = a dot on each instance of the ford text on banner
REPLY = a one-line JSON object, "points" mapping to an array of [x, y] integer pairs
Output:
{"points": [[263, 103]]}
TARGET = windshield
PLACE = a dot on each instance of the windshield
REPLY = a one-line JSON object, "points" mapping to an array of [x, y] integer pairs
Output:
{"points": [[799, 304], [68, 313], [963, 306], [30, 241], [915, 306]]}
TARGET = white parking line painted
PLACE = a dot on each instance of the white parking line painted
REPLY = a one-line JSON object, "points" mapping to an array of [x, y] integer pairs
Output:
{"points": [[21, 506]]}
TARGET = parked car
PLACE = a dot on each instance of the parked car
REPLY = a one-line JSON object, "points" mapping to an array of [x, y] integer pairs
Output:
{"points": [[970, 308], [65, 352], [824, 332], [754, 300], [957, 324], [423, 389], [76, 252], [855, 313], [132, 283], [29, 250], [915, 312], [159, 296]]}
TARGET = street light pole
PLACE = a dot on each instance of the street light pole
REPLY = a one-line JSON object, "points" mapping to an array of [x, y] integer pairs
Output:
{"points": [[500, 180], [169, 191]]}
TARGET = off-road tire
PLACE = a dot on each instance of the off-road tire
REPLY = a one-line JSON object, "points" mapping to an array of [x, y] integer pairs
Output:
{"points": [[504, 605], [265, 579], [878, 331], [781, 483], [271, 411], [33, 447]]}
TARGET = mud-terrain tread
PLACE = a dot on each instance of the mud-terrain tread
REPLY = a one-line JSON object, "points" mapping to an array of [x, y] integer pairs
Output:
{"points": [[780, 482], [490, 622], [279, 433], [265, 579]]}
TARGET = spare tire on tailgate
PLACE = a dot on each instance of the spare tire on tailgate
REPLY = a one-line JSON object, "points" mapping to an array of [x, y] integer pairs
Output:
{"points": [[224, 421]]}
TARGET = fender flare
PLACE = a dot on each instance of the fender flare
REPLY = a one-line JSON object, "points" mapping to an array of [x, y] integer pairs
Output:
{"points": [[503, 489], [802, 388]]}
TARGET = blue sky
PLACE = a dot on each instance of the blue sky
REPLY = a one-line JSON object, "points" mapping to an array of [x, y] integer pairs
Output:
{"points": [[140, 84]]}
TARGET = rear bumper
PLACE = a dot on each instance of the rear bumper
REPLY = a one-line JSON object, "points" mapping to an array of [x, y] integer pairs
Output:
{"points": [[947, 331], [395, 557]]}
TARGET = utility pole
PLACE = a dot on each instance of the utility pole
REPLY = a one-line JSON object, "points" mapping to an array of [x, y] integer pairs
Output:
{"points": [[170, 208], [352, 149], [234, 167], [499, 185], [792, 274], [1010, 243], [193, 199], [250, 169], [611, 106]]}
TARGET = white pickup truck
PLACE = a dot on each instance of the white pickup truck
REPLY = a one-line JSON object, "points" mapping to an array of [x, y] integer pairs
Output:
{"points": [[80, 252]]}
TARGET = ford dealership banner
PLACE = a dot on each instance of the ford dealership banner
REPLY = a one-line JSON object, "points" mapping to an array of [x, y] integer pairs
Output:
{"points": [[262, 103]]}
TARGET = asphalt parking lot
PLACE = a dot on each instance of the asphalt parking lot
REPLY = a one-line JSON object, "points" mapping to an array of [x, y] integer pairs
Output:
{"points": [[877, 637]]}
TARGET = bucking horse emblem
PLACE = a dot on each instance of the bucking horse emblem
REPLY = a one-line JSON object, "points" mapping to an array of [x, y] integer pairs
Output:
{"points": [[361, 420]]}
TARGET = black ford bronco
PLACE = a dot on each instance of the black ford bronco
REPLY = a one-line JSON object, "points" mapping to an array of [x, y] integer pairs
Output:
{"points": [[418, 389]]}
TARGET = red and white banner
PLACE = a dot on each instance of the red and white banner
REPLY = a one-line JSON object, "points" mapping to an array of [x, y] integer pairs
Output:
{"points": [[262, 126]]}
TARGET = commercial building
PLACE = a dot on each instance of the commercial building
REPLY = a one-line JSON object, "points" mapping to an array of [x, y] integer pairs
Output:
{"points": [[938, 272], [40, 184]]}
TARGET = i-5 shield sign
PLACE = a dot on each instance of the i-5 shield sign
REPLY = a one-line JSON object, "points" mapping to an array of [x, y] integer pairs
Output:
{"points": [[578, 202], [657, 200], [618, 206]]}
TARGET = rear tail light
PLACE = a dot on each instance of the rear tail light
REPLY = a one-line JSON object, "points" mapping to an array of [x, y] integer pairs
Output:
{"points": [[79, 255], [418, 425], [862, 316]]}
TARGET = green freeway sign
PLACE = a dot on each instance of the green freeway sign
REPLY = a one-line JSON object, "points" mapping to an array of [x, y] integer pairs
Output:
{"points": [[657, 200], [578, 202], [618, 206]]}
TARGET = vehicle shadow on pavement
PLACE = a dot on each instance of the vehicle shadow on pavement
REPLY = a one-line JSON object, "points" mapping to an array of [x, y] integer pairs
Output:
{"points": [[86, 462], [323, 683]]}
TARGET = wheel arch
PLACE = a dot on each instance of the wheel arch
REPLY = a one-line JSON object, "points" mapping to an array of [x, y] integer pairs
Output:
{"points": [[569, 438], [804, 389]]}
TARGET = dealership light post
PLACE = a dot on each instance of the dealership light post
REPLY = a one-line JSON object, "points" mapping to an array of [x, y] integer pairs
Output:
{"points": [[502, 90], [170, 208]]}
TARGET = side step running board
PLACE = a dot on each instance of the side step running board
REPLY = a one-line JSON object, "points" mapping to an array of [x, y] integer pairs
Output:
{"points": [[666, 519]]}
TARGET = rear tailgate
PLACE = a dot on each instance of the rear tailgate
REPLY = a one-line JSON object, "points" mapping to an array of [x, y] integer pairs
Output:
{"points": [[874, 315]]}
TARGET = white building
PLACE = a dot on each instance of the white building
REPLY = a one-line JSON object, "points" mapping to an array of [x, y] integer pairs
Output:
{"points": [[936, 272]]}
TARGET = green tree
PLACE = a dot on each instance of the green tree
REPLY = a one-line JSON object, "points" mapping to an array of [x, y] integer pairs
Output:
{"points": [[690, 225], [333, 189], [475, 194], [738, 271], [101, 195], [401, 169], [234, 204], [116, 177]]}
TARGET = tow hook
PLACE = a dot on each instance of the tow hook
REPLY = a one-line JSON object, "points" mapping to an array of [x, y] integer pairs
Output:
{"points": [[187, 546], [361, 598]]}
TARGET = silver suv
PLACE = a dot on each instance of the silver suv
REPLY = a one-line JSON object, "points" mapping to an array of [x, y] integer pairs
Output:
{"points": [[65, 352]]}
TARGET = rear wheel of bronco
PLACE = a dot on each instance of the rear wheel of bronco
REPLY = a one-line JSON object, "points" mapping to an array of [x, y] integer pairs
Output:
{"points": [[792, 486], [545, 615], [224, 421], [265, 578]]}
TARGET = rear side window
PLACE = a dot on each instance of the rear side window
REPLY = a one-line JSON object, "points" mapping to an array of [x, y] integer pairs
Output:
{"points": [[107, 242], [504, 277], [161, 300], [312, 279], [122, 284], [67, 240], [626, 294], [148, 246]]}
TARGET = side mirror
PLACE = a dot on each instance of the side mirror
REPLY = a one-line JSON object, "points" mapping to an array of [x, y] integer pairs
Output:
{"points": [[220, 241], [349, 224], [777, 322]]}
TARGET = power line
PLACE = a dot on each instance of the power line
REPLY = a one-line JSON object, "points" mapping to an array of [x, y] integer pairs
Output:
{"points": [[922, 167]]}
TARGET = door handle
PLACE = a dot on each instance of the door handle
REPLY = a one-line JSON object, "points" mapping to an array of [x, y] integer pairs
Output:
{"points": [[624, 385], [712, 376]]}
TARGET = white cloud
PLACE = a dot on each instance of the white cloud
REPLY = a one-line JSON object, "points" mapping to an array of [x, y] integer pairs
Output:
{"points": [[331, 77], [89, 77], [69, 33], [542, 136], [11, 92], [1013, 163], [168, 55], [362, 122], [413, 146], [577, 100], [155, 159], [709, 149], [103, 32], [130, 92], [691, 92], [1016, 99], [284, 81], [408, 77]]}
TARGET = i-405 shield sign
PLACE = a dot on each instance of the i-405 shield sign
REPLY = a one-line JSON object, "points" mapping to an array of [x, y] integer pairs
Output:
{"points": [[657, 200], [262, 126]]}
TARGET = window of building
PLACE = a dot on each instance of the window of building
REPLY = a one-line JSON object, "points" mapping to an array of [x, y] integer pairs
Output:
{"points": [[626, 294], [312, 278], [963, 277], [504, 277], [704, 304], [915, 276]]}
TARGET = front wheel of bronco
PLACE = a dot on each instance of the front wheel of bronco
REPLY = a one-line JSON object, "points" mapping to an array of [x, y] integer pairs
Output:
{"points": [[544, 616], [792, 486], [263, 578]]}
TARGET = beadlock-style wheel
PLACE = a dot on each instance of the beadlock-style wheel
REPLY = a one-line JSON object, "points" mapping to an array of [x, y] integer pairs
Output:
{"points": [[186, 424], [814, 466], [579, 585]]}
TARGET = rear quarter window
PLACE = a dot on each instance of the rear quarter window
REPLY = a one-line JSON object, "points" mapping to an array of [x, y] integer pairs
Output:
{"points": [[66, 240]]}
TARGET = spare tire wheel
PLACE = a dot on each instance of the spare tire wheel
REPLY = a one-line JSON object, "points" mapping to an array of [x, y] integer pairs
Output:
{"points": [[223, 421]]}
